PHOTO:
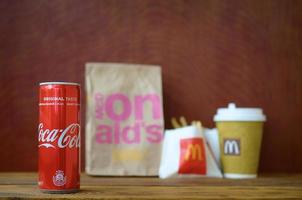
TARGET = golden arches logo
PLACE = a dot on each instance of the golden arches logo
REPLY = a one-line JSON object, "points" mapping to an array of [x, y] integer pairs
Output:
{"points": [[194, 152], [231, 146]]}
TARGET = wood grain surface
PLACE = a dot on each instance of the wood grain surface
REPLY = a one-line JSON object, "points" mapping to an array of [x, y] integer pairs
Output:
{"points": [[273, 186], [211, 53]]}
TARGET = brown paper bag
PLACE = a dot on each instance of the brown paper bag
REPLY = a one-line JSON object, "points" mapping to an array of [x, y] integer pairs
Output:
{"points": [[124, 119]]}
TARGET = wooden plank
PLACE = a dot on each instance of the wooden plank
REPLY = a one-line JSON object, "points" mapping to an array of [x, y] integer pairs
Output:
{"points": [[263, 180], [23, 186], [158, 192]]}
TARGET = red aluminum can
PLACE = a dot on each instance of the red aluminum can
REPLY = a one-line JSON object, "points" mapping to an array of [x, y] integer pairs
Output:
{"points": [[59, 137]]}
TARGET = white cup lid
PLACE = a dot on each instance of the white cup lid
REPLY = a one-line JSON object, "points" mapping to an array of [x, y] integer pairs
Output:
{"points": [[232, 113]]}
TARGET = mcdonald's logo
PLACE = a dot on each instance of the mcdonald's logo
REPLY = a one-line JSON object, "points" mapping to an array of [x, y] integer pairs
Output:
{"points": [[192, 156], [231, 146], [193, 152]]}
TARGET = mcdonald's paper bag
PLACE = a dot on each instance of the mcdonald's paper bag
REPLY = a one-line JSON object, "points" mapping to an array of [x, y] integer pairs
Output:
{"points": [[124, 119], [185, 153]]}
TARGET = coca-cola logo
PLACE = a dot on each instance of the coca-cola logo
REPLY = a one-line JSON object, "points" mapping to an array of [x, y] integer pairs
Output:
{"points": [[68, 137]]}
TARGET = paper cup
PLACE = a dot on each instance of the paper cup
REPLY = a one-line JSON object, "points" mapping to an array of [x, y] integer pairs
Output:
{"points": [[240, 135]]}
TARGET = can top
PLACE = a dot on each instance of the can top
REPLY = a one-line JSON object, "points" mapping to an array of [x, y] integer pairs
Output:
{"points": [[232, 113], [59, 83]]}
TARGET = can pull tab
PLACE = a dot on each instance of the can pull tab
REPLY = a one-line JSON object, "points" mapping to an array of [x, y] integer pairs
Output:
{"points": [[232, 106]]}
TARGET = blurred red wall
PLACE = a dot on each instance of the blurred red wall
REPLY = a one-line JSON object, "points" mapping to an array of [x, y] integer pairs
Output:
{"points": [[211, 53]]}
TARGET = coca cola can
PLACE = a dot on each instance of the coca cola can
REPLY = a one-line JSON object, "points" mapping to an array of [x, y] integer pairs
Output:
{"points": [[59, 137]]}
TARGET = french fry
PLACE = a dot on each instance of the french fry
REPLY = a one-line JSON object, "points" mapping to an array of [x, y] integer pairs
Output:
{"points": [[199, 124], [174, 122], [183, 121]]}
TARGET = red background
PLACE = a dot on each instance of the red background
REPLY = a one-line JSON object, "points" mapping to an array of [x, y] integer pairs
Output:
{"points": [[211, 53]]}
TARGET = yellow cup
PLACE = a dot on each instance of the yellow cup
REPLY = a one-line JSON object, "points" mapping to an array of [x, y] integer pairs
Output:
{"points": [[240, 135]]}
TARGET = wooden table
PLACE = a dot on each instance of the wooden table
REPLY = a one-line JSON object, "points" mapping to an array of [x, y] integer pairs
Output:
{"points": [[24, 186]]}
